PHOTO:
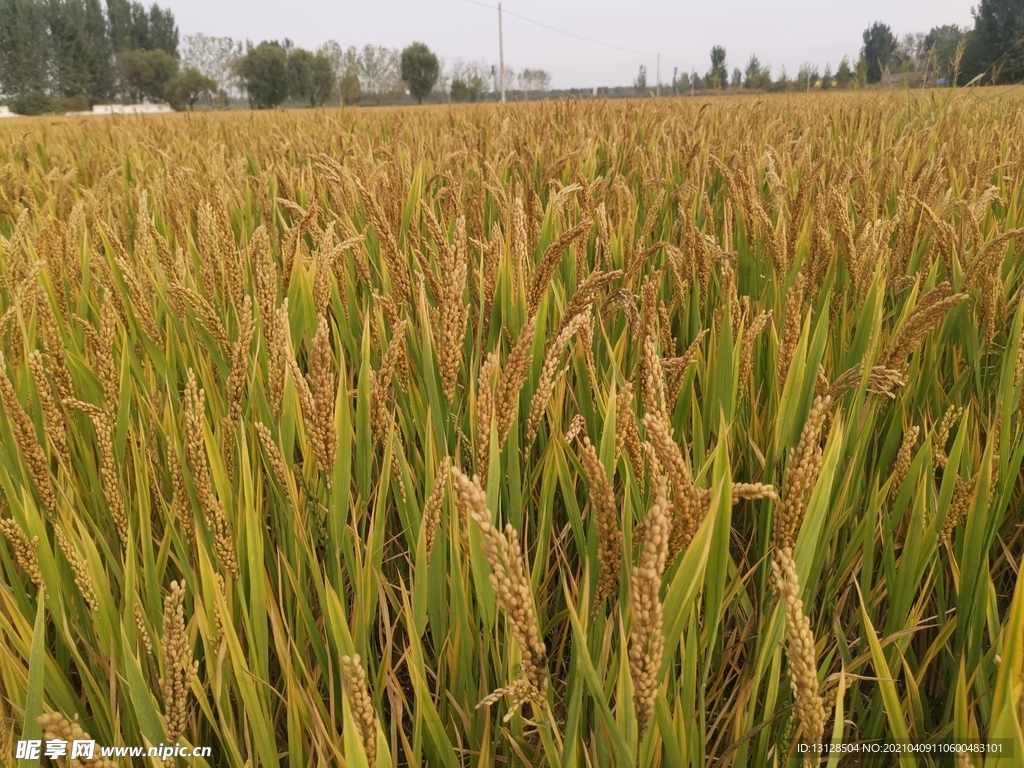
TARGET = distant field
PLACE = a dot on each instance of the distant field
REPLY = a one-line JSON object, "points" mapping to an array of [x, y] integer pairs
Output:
{"points": [[742, 377]]}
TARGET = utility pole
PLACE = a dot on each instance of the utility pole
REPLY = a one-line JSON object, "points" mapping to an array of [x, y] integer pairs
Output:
{"points": [[659, 76], [501, 54]]}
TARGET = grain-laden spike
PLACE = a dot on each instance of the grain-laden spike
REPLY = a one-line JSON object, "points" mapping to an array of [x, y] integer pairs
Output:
{"points": [[512, 380], [646, 639], [393, 362], [434, 504], [585, 295], [316, 393], [677, 367], [949, 419], [362, 705], [485, 406], [687, 509], [25, 437], [747, 351], [235, 387], [606, 523], [452, 310], [882, 381], [213, 508], [930, 311], [902, 464], [23, 548], [750, 492], [959, 504], [800, 651], [323, 384], [53, 419], [278, 345], [56, 727], [392, 256], [801, 475], [791, 326], [627, 436], [550, 260], [79, 567], [546, 384], [512, 589], [179, 668]]}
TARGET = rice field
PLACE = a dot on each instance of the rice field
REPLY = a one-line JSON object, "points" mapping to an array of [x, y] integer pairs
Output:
{"points": [[654, 433]]}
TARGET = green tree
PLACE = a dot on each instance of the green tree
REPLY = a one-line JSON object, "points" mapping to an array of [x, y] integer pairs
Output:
{"points": [[323, 80], [737, 78], [339, 62], [132, 28], [783, 82], [144, 75], [420, 69], [860, 73], [757, 76], [349, 86], [995, 48], [97, 53], [466, 90], [264, 75], [844, 75], [718, 75], [300, 74], [879, 50], [310, 76], [80, 52], [826, 77], [640, 84], [119, 24], [752, 70], [162, 32], [138, 29], [129, 26], [24, 55], [806, 77], [188, 87], [941, 45]]}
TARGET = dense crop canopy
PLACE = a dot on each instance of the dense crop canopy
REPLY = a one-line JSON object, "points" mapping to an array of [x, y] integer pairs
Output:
{"points": [[576, 433]]}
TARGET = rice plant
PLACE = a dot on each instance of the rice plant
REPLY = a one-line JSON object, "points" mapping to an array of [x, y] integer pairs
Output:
{"points": [[659, 433]]}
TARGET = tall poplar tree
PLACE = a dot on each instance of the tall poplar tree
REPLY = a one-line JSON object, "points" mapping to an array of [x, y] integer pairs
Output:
{"points": [[24, 55]]}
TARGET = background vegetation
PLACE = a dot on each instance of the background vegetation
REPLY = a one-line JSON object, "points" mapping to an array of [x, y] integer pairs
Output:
{"points": [[68, 55]]}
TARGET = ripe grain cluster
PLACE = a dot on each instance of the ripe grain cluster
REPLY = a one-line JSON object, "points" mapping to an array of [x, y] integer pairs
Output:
{"points": [[659, 433]]}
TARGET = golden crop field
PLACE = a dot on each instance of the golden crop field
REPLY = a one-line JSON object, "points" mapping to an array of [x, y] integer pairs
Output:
{"points": [[657, 433]]}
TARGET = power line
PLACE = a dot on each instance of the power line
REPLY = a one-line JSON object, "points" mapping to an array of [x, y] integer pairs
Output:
{"points": [[564, 32]]}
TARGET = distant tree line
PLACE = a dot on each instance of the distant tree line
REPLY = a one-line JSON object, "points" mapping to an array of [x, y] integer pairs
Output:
{"points": [[990, 53], [271, 73], [70, 54], [65, 55]]}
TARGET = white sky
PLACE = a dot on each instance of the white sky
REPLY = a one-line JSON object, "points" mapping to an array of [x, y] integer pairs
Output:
{"points": [[781, 32]]}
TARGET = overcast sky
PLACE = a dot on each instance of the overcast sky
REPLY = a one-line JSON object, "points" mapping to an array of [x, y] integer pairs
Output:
{"points": [[782, 32]]}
